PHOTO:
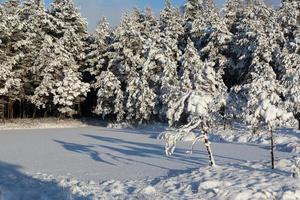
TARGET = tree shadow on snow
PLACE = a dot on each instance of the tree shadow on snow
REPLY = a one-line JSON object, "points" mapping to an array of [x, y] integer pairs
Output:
{"points": [[142, 149], [127, 152], [14, 185], [85, 149], [288, 131], [265, 170]]}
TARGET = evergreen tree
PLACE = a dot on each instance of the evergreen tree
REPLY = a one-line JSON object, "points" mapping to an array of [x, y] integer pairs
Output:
{"points": [[110, 96], [60, 83]]}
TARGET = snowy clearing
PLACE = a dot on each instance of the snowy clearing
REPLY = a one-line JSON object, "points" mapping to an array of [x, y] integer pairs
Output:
{"points": [[105, 163]]}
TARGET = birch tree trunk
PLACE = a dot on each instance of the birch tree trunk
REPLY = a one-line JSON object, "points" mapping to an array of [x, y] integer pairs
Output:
{"points": [[209, 151]]}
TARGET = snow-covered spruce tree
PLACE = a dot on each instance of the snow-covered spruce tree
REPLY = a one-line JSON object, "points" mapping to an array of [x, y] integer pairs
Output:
{"points": [[60, 79], [191, 63], [197, 108]]}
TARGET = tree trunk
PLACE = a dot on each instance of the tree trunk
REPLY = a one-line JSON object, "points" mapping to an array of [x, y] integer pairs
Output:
{"points": [[45, 113], [209, 151], [10, 108], [24, 109], [34, 112], [272, 149], [297, 117], [79, 109], [20, 109], [2, 110]]}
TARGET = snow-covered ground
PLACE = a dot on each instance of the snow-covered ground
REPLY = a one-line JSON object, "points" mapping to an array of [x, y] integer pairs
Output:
{"points": [[286, 139], [106, 163], [41, 123]]}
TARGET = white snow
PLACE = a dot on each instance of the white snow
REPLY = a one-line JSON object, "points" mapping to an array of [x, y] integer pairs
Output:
{"points": [[125, 163], [42, 123], [286, 139]]}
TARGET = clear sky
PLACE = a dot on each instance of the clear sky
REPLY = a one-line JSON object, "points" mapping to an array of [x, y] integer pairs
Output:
{"points": [[93, 10]]}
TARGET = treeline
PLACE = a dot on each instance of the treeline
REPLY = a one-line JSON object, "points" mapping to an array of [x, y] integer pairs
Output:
{"points": [[242, 62]]}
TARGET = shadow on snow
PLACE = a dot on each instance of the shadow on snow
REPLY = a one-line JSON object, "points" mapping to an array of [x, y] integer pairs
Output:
{"points": [[15, 185]]}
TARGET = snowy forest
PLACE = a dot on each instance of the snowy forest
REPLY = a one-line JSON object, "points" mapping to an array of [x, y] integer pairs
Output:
{"points": [[88, 115], [191, 66]]}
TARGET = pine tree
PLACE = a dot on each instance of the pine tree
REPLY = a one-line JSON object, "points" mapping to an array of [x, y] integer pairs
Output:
{"points": [[289, 19], [110, 96], [260, 96], [163, 53], [9, 82], [60, 80], [72, 26], [97, 47]]}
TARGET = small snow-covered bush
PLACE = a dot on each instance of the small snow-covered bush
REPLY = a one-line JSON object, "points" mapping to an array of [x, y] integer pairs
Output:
{"points": [[296, 168]]}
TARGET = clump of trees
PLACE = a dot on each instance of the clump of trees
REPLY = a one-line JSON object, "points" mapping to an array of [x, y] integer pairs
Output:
{"points": [[192, 68]]}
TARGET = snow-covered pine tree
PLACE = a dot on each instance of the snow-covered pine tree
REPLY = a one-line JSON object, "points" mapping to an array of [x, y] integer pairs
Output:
{"points": [[24, 23], [163, 54], [111, 82], [192, 9], [110, 97], [291, 82], [252, 19], [64, 37], [257, 41], [10, 83], [125, 52], [197, 108], [72, 26], [95, 63], [95, 60], [289, 19], [126, 58], [231, 13], [211, 36], [60, 79], [261, 93], [141, 99]]}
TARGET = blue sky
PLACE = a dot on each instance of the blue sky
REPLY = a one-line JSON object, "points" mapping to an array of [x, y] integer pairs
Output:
{"points": [[93, 10]]}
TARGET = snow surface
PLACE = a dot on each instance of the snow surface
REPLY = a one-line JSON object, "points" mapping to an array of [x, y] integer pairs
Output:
{"points": [[105, 163], [286, 139], [42, 123]]}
